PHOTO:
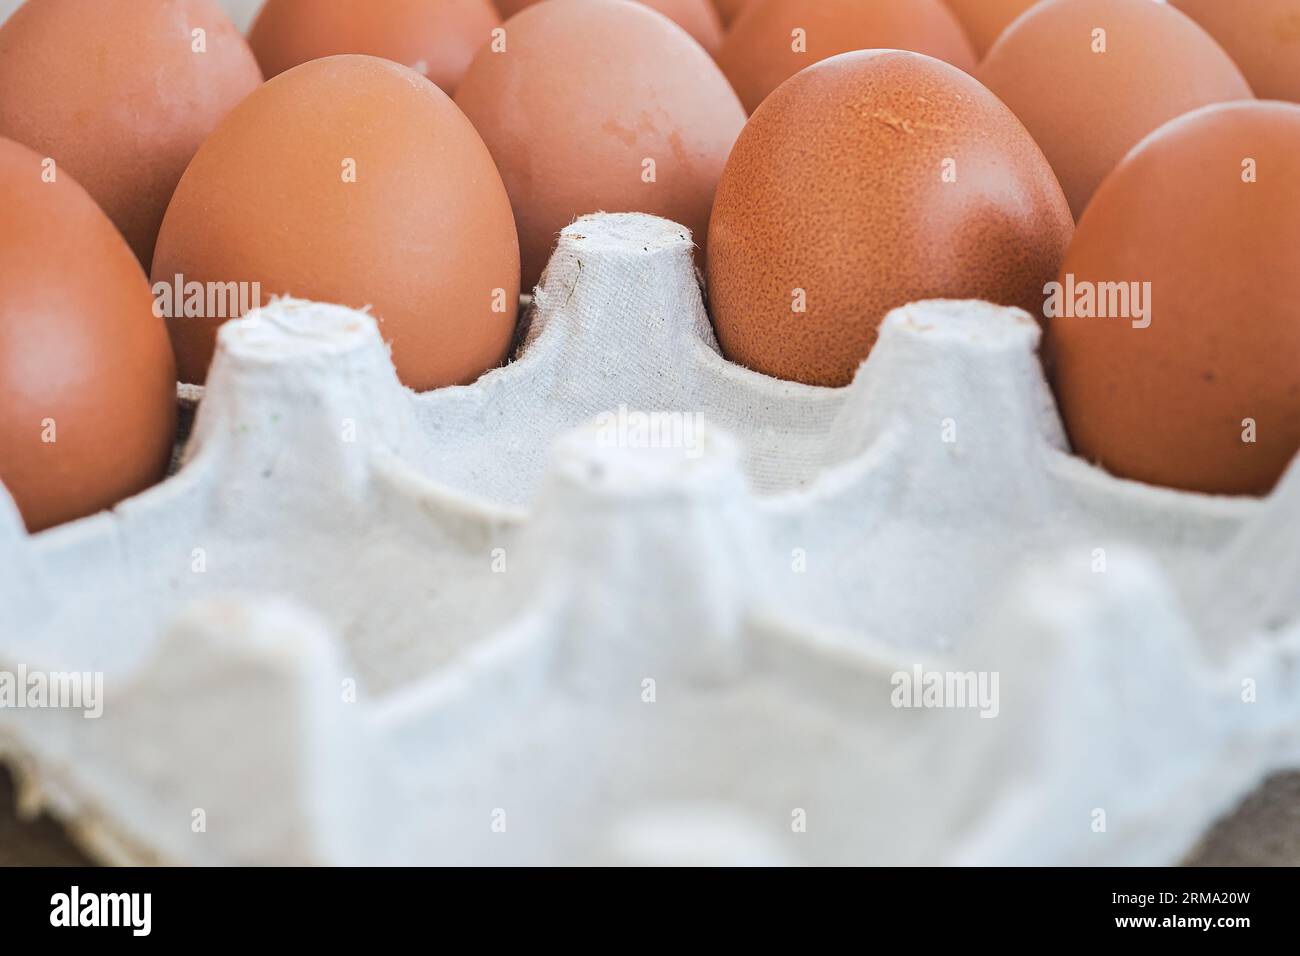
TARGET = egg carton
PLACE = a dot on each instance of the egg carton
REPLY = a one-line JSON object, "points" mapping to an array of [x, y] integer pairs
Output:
{"points": [[621, 601]]}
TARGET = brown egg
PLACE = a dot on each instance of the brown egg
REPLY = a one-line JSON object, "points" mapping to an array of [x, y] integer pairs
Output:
{"points": [[696, 17], [868, 181], [600, 105], [1207, 210], [87, 384], [775, 39], [1090, 78], [119, 94], [729, 10], [352, 180], [984, 20], [1262, 36], [435, 37]]}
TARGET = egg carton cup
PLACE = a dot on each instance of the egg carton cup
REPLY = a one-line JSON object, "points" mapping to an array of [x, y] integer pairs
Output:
{"points": [[621, 601]]}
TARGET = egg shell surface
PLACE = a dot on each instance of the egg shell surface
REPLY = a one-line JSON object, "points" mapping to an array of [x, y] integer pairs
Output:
{"points": [[352, 180]]}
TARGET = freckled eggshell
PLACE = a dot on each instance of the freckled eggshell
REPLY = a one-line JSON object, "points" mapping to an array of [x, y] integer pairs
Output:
{"points": [[587, 92], [757, 54], [696, 17], [1165, 404], [435, 37], [984, 20], [1087, 109], [424, 234], [80, 347], [836, 187], [115, 93], [1262, 36]]}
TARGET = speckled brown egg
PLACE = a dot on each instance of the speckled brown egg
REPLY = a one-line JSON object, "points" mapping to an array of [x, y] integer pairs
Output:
{"points": [[600, 105], [87, 384], [121, 93], [775, 39], [868, 181], [696, 17], [1262, 36], [984, 20], [1199, 388], [351, 180], [1090, 78], [435, 37]]}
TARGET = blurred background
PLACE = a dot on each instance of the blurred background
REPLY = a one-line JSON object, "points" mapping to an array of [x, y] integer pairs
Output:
{"points": [[241, 11]]}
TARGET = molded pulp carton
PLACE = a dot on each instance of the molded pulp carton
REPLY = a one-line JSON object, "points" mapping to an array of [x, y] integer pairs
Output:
{"points": [[622, 601]]}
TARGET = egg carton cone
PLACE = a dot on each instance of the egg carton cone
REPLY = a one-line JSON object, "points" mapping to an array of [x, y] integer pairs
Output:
{"points": [[623, 602]]}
